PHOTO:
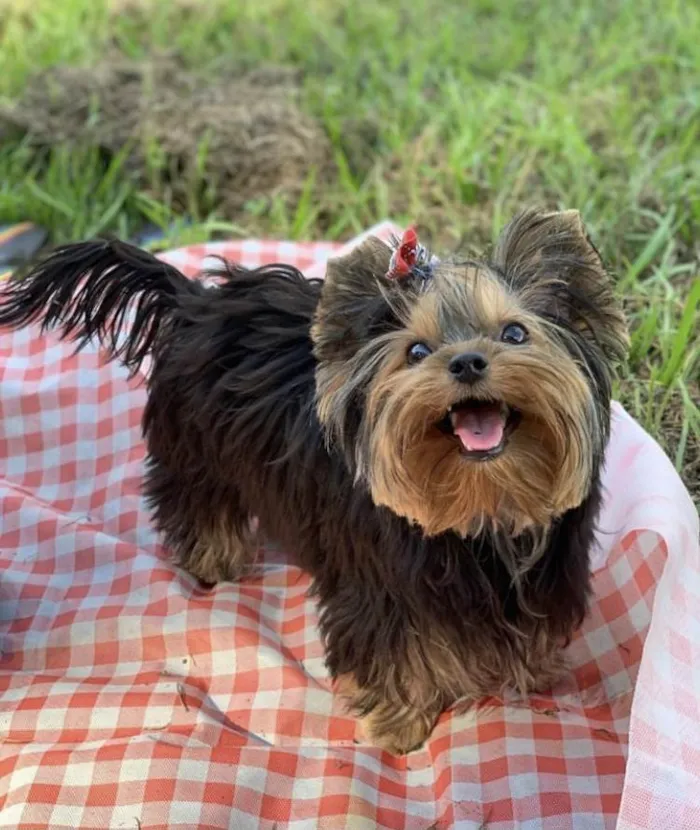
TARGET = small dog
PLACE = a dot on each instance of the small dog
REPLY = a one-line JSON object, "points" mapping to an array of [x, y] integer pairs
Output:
{"points": [[426, 436]]}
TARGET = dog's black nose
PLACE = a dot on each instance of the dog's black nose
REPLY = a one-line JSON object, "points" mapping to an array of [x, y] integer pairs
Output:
{"points": [[468, 367]]}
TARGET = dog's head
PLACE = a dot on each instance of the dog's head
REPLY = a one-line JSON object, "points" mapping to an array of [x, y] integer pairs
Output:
{"points": [[467, 393]]}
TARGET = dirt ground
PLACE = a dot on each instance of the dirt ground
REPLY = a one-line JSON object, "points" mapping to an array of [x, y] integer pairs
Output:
{"points": [[243, 134]]}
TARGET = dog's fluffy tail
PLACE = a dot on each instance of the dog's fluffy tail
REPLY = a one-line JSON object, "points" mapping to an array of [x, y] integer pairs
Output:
{"points": [[108, 291]]}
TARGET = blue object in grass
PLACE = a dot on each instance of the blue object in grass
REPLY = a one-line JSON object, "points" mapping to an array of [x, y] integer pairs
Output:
{"points": [[18, 244]]}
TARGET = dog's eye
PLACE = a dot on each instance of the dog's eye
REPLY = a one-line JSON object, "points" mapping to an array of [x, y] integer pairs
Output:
{"points": [[418, 352], [514, 333]]}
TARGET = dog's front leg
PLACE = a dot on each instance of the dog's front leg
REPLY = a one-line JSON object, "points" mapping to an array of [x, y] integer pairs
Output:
{"points": [[391, 719]]}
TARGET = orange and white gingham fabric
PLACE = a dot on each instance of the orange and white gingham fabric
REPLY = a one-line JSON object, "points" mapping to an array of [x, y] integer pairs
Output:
{"points": [[132, 698]]}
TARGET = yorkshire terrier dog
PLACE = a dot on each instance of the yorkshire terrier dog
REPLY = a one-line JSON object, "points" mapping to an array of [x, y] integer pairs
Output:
{"points": [[425, 436]]}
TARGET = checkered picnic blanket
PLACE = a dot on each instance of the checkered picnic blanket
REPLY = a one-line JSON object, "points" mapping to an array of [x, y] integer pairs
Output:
{"points": [[132, 698]]}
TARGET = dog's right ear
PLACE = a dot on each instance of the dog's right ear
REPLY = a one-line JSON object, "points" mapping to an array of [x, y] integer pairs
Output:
{"points": [[354, 305]]}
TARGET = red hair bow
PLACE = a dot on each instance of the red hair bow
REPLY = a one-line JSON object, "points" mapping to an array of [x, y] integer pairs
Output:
{"points": [[405, 256]]}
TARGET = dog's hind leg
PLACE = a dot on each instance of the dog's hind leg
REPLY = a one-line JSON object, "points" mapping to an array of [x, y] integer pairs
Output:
{"points": [[203, 525]]}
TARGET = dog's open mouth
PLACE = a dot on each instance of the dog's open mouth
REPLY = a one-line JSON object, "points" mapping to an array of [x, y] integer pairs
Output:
{"points": [[481, 427]]}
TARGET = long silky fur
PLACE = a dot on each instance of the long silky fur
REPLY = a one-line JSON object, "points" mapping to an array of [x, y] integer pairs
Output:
{"points": [[91, 290], [232, 431]]}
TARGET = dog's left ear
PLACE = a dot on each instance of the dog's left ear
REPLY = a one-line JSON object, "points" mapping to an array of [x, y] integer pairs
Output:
{"points": [[354, 305], [550, 261]]}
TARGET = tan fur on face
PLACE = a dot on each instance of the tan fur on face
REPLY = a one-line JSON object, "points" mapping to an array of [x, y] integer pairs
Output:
{"points": [[418, 472], [545, 274]]}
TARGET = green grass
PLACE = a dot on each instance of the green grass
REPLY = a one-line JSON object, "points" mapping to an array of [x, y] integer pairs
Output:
{"points": [[477, 109]]}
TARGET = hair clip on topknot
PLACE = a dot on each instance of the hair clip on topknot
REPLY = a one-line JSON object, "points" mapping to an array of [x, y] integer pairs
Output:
{"points": [[410, 257]]}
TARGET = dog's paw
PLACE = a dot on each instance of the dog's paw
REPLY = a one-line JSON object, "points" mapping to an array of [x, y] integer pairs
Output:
{"points": [[398, 737], [222, 556], [391, 725], [210, 572], [551, 671]]}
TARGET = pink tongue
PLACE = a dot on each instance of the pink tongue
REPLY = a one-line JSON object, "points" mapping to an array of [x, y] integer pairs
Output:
{"points": [[480, 428]]}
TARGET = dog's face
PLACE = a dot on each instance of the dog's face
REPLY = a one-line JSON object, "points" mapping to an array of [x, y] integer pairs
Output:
{"points": [[480, 395]]}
